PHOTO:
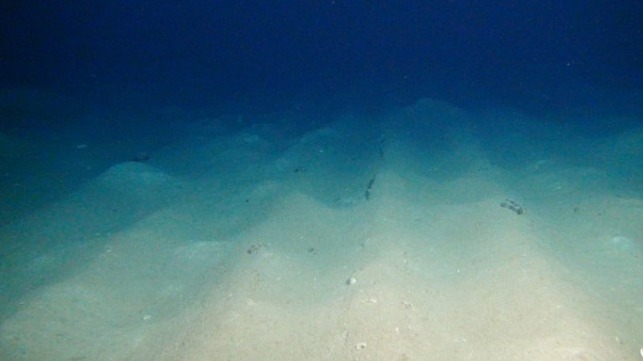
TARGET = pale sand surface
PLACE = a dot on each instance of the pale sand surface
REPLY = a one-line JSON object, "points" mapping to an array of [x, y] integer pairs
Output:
{"points": [[260, 246]]}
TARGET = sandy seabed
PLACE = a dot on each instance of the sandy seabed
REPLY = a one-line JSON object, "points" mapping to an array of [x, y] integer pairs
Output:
{"points": [[425, 234]]}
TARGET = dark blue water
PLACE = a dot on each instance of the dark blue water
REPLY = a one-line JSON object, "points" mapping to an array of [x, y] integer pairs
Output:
{"points": [[367, 55]]}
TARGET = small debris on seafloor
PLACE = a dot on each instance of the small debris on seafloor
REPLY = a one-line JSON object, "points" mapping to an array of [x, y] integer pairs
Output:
{"points": [[512, 206], [254, 248], [351, 281], [369, 187], [141, 157]]}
